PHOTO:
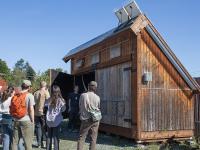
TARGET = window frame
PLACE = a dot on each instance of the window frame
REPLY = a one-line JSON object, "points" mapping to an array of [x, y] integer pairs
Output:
{"points": [[111, 49], [91, 58]]}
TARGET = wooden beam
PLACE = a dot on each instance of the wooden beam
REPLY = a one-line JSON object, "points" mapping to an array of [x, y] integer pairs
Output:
{"points": [[134, 83], [139, 24], [137, 93], [112, 62], [166, 134]]}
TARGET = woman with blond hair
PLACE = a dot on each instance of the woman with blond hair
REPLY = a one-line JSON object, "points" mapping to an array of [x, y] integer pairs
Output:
{"points": [[56, 105]]}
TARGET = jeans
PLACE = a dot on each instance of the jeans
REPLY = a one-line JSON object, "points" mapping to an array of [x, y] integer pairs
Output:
{"points": [[53, 134], [22, 129], [7, 131], [40, 129], [90, 127]]}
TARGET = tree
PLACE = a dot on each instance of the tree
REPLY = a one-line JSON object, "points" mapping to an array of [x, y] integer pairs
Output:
{"points": [[18, 76], [5, 71], [59, 69], [20, 64], [30, 73], [19, 72]]}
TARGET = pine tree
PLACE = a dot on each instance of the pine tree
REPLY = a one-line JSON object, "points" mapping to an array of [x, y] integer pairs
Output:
{"points": [[4, 71], [30, 72]]}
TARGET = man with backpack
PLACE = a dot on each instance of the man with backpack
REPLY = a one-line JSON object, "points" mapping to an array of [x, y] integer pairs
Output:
{"points": [[90, 116], [22, 110], [40, 96]]}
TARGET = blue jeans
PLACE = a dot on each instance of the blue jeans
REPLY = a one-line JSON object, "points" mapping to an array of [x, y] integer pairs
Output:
{"points": [[7, 131], [53, 134], [40, 129]]}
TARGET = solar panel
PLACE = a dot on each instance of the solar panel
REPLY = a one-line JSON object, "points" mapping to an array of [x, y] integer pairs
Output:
{"points": [[122, 15], [133, 10]]}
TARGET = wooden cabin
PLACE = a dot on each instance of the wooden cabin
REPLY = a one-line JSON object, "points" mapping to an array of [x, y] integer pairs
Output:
{"points": [[197, 112], [146, 93]]}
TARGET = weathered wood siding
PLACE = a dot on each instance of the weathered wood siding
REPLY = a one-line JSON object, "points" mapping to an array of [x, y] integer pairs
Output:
{"points": [[123, 39], [197, 111], [166, 102], [114, 88]]}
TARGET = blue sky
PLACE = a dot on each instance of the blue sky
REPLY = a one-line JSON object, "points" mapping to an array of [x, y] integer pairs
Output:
{"points": [[42, 31]]}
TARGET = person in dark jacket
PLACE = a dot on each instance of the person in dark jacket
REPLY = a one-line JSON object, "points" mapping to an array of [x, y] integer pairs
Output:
{"points": [[73, 109]]}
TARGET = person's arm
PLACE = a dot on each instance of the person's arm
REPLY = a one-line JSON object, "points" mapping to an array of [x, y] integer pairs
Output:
{"points": [[99, 105], [47, 95], [47, 102], [80, 102], [31, 113], [31, 107], [63, 107]]}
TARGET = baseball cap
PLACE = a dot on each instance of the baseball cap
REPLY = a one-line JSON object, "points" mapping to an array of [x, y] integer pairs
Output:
{"points": [[27, 82]]}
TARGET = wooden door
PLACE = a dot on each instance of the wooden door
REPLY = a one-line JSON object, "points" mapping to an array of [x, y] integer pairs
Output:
{"points": [[114, 89]]}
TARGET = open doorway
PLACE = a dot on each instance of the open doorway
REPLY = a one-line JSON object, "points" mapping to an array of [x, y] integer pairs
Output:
{"points": [[66, 82], [83, 80]]}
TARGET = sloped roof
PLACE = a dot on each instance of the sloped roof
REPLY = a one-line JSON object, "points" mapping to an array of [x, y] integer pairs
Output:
{"points": [[100, 38], [157, 39], [197, 79]]}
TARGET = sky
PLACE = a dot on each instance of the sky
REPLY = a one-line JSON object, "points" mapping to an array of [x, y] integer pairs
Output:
{"points": [[43, 31]]}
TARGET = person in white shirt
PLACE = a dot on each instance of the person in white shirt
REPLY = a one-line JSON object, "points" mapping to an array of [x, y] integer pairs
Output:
{"points": [[88, 101], [6, 117]]}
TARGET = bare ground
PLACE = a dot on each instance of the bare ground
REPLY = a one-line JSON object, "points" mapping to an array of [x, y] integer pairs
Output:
{"points": [[68, 141]]}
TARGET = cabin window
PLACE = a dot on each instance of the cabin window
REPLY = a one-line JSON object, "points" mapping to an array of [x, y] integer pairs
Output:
{"points": [[115, 51], [79, 63], [94, 58]]}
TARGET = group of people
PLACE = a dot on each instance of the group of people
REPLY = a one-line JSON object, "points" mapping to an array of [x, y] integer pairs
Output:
{"points": [[25, 113]]}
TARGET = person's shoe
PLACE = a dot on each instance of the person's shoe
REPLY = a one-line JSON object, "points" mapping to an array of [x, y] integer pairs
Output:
{"points": [[43, 144]]}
